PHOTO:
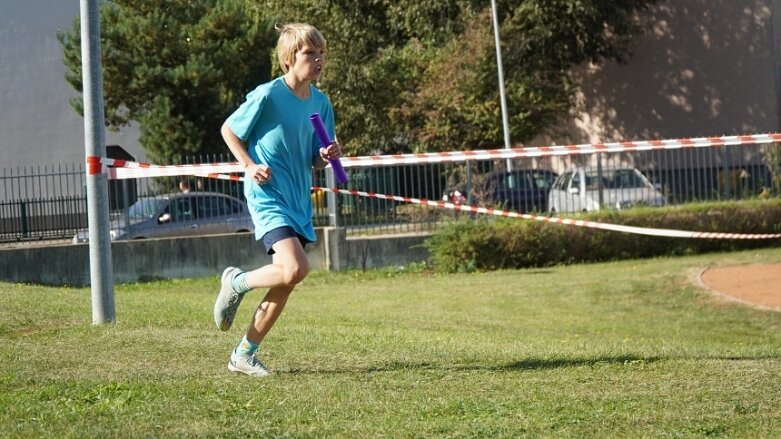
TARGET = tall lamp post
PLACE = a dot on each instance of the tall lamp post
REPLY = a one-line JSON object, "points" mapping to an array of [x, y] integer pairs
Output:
{"points": [[101, 271], [502, 94]]}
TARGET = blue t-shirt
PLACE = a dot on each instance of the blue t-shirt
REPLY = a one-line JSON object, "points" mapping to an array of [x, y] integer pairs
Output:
{"points": [[274, 124]]}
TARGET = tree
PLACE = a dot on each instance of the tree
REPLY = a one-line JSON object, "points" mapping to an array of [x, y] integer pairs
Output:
{"points": [[456, 104], [374, 51], [177, 67], [403, 75], [408, 75]]}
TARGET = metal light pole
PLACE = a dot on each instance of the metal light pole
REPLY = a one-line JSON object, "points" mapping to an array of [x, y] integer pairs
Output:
{"points": [[502, 94], [101, 272]]}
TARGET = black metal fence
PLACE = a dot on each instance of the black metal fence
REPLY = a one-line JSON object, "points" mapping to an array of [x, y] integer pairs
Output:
{"points": [[667, 177], [48, 203]]}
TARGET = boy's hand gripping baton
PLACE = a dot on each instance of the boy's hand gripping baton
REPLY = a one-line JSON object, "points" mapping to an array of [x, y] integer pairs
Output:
{"points": [[325, 140]]}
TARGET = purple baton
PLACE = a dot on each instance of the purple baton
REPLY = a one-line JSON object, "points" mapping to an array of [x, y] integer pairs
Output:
{"points": [[325, 140]]}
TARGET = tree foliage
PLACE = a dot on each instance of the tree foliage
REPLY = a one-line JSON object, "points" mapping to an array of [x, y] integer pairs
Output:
{"points": [[421, 76], [177, 67], [376, 53], [403, 75]]}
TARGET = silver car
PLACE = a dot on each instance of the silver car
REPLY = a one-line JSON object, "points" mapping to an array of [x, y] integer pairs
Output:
{"points": [[184, 214], [588, 189]]}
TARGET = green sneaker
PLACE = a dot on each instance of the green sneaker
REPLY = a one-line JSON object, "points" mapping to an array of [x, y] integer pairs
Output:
{"points": [[247, 364], [228, 300]]}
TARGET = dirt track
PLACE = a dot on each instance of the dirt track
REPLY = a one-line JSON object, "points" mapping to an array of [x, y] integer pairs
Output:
{"points": [[758, 284]]}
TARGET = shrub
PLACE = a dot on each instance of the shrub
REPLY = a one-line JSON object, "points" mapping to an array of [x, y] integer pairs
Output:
{"points": [[492, 244]]}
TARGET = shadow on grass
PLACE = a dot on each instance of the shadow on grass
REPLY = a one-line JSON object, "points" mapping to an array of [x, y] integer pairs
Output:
{"points": [[558, 363], [527, 364]]}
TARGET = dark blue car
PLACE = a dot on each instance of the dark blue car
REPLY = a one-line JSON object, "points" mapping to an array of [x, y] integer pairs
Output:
{"points": [[522, 190]]}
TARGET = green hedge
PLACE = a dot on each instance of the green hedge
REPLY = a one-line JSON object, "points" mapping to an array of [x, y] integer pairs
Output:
{"points": [[497, 243]]}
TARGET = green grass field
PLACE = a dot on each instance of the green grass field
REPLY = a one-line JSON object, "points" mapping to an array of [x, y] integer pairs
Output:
{"points": [[625, 349]]}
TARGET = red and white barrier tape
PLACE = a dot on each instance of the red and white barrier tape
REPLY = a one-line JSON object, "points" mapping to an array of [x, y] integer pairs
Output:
{"points": [[123, 169], [570, 222], [221, 177], [564, 221], [545, 151]]}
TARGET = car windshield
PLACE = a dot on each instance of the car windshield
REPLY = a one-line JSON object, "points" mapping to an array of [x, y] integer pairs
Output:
{"points": [[543, 180], [626, 178], [144, 208], [616, 179]]}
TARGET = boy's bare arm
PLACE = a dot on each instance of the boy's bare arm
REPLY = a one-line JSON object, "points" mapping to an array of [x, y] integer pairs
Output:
{"points": [[259, 173], [334, 151]]}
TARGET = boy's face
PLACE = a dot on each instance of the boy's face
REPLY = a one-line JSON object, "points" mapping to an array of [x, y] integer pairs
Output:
{"points": [[308, 63]]}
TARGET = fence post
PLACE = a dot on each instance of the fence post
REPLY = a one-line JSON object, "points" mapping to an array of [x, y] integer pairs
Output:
{"points": [[601, 197], [468, 187], [332, 198], [23, 218], [126, 202], [725, 171]]}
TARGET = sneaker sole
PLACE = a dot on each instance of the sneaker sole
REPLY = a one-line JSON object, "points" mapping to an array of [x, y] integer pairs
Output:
{"points": [[235, 369], [223, 324]]}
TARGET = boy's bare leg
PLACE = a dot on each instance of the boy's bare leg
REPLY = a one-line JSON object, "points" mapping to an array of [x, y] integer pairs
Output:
{"points": [[267, 313], [289, 267]]}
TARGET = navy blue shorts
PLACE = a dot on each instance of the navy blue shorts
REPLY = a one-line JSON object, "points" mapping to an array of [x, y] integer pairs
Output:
{"points": [[275, 235]]}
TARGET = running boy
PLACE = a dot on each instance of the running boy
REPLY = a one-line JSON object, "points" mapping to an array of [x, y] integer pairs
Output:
{"points": [[273, 139]]}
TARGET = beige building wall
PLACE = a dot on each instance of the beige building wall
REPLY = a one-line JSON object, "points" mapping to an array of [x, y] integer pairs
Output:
{"points": [[702, 68], [37, 124]]}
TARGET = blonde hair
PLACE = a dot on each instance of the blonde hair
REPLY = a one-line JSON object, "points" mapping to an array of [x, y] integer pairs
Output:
{"points": [[292, 37]]}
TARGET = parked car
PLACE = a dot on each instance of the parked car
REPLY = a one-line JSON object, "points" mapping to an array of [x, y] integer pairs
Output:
{"points": [[184, 214], [524, 190], [587, 189]]}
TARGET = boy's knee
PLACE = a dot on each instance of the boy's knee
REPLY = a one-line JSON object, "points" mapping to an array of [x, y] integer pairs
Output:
{"points": [[294, 274]]}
